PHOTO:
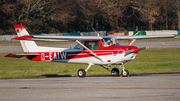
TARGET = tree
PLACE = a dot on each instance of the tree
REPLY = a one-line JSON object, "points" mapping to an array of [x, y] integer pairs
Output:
{"points": [[36, 12], [7, 16], [149, 10], [54, 16], [177, 10]]}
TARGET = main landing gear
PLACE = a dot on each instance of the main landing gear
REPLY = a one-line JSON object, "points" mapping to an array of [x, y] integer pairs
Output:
{"points": [[114, 72], [82, 73]]}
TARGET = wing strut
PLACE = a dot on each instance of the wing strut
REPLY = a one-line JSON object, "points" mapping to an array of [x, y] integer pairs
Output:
{"points": [[130, 42], [89, 50]]}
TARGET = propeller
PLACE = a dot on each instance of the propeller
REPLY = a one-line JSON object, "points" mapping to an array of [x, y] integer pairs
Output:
{"points": [[142, 48], [135, 49]]}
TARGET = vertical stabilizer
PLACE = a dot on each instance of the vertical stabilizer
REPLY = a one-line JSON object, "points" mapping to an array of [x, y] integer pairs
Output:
{"points": [[28, 46]]}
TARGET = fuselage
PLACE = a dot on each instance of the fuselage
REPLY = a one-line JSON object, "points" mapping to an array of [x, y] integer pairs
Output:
{"points": [[109, 54]]}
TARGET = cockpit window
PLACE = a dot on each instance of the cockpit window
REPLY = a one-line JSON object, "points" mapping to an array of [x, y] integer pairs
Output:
{"points": [[78, 46], [109, 41], [92, 45]]}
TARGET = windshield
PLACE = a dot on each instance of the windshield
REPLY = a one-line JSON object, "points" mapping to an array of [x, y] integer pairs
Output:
{"points": [[78, 46], [109, 41]]}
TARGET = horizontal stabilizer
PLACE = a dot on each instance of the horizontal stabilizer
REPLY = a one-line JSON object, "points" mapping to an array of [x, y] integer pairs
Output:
{"points": [[19, 55], [23, 37]]}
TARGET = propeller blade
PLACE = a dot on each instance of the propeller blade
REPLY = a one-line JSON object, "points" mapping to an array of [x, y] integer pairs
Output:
{"points": [[142, 48], [132, 50]]}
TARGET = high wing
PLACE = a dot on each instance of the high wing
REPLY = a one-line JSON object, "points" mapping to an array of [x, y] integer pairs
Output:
{"points": [[87, 38], [144, 37], [58, 38]]}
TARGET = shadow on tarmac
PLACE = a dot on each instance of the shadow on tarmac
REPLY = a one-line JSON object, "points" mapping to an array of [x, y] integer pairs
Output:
{"points": [[152, 74], [55, 75], [135, 75]]}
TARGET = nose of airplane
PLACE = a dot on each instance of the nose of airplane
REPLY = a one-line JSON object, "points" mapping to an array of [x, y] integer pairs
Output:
{"points": [[135, 49], [132, 49]]}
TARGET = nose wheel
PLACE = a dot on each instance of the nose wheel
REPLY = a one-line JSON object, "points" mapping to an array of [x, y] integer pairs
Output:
{"points": [[125, 73]]}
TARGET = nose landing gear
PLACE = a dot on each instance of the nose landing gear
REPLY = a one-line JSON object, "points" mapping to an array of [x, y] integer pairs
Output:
{"points": [[124, 72]]}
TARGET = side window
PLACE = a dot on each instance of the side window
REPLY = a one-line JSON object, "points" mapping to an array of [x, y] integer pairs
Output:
{"points": [[96, 45], [92, 45], [89, 45]]}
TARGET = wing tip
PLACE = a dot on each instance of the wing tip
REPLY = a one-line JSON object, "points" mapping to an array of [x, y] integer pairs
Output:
{"points": [[23, 37]]}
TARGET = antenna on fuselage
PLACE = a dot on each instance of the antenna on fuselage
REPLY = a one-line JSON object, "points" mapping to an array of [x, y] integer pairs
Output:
{"points": [[95, 31]]}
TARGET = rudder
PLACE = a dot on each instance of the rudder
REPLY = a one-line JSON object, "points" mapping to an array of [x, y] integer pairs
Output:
{"points": [[28, 46]]}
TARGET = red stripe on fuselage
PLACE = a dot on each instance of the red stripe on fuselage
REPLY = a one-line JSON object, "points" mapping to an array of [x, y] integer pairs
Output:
{"points": [[65, 55], [46, 56]]}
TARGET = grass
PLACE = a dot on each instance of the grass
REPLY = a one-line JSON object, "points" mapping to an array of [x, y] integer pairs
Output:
{"points": [[24, 88], [156, 60], [153, 60]]}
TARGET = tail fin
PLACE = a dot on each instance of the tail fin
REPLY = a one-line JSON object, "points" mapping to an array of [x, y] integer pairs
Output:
{"points": [[28, 46]]}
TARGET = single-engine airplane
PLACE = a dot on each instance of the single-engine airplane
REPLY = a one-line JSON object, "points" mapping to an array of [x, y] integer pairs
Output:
{"points": [[91, 50]]}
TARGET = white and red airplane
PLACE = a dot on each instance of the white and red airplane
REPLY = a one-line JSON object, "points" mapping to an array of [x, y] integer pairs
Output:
{"points": [[91, 50]]}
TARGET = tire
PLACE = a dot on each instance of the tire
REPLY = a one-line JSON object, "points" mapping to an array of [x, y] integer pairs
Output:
{"points": [[125, 73], [81, 73], [115, 72]]}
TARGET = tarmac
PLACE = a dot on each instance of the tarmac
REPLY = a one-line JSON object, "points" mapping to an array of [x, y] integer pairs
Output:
{"points": [[141, 87]]}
